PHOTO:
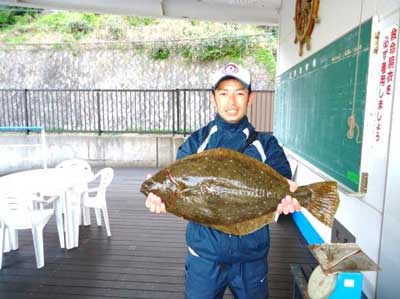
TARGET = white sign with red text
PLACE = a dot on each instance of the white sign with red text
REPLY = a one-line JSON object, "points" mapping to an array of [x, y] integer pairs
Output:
{"points": [[387, 57]]}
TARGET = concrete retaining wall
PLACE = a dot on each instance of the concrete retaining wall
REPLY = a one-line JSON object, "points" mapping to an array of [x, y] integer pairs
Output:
{"points": [[18, 150], [98, 68]]}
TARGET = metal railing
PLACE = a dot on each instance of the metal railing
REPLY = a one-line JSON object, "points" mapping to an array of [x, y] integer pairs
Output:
{"points": [[169, 111]]}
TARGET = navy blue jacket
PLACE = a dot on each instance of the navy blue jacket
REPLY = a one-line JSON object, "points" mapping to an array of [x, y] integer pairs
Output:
{"points": [[213, 244]]}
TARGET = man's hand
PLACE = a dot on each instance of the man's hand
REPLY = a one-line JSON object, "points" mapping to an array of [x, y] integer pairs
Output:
{"points": [[155, 204], [289, 204]]}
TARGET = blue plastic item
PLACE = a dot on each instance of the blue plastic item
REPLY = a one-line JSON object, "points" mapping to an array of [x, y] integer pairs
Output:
{"points": [[348, 286], [307, 230]]}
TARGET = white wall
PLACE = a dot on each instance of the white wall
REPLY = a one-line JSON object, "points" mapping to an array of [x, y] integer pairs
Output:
{"points": [[362, 216], [336, 18], [389, 258], [116, 150]]}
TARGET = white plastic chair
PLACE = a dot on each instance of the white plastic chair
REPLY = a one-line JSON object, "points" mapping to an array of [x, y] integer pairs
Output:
{"points": [[96, 198], [80, 165], [20, 212]]}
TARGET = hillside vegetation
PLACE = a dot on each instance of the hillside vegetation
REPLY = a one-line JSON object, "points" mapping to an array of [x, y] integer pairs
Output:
{"points": [[196, 41]]}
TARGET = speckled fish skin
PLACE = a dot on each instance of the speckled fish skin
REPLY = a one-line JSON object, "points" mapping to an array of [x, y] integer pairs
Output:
{"points": [[223, 189]]}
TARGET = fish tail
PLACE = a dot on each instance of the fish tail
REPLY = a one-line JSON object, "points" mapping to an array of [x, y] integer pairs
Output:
{"points": [[324, 200]]}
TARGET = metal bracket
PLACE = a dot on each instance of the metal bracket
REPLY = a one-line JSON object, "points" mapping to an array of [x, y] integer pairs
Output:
{"points": [[364, 182], [375, 43]]}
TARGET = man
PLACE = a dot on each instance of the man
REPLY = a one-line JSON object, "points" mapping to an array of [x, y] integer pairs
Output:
{"points": [[217, 260]]}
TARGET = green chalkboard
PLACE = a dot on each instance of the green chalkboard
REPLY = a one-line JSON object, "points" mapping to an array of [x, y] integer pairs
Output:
{"points": [[314, 100]]}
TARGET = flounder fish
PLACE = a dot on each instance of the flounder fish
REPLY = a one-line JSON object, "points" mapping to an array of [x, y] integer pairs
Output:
{"points": [[233, 192]]}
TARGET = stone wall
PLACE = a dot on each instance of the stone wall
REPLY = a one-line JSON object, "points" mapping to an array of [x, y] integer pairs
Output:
{"points": [[108, 68]]}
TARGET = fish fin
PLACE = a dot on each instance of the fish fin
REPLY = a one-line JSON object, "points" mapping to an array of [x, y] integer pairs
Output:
{"points": [[324, 201], [247, 226]]}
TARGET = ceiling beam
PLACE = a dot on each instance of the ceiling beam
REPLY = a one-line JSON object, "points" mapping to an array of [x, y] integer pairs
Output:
{"points": [[223, 12], [150, 8], [256, 12]]}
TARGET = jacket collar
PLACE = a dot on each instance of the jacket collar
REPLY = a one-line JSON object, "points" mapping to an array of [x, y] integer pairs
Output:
{"points": [[231, 127]]}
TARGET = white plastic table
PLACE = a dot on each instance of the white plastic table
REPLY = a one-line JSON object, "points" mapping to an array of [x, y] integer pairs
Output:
{"points": [[52, 181]]}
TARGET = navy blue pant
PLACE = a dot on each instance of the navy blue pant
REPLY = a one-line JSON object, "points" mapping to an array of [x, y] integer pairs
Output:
{"points": [[206, 279]]}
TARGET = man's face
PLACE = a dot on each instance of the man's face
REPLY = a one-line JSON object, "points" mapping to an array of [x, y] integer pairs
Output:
{"points": [[231, 100]]}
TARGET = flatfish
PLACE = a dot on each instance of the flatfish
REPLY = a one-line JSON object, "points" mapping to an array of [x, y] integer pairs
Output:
{"points": [[233, 192]]}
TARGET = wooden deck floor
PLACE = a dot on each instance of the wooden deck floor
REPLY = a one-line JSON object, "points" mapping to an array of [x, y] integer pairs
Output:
{"points": [[144, 258]]}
